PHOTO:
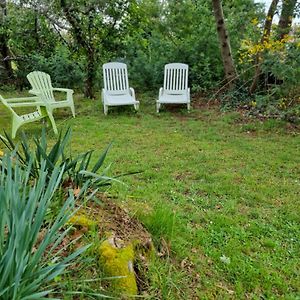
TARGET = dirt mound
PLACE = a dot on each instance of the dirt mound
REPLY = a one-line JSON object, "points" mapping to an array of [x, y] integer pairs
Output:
{"points": [[112, 219]]}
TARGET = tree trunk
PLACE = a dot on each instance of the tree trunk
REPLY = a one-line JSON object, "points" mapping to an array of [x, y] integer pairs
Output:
{"points": [[4, 49], [91, 64], [91, 74], [83, 41], [265, 37], [229, 67], [286, 17], [36, 29]]}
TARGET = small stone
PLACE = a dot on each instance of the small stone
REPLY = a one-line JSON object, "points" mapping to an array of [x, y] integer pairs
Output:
{"points": [[224, 259]]}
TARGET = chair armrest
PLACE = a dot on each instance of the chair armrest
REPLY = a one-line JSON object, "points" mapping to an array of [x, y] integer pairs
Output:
{"points": [[63, 90], [132, 92], [160, 92], [22, 99], [34, 92], [26, 104], [103, 95]]}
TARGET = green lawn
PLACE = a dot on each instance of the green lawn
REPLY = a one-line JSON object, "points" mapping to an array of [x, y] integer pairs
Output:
{"points": [[220, 195]]}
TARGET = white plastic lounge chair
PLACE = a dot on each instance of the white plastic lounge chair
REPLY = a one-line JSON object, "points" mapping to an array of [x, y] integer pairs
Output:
{"points": [[175, 89], [18, 120], [116, 88], [42, 87]]}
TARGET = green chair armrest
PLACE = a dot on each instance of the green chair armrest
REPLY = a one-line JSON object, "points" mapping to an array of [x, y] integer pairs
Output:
{"points": [[22, 99], [26, 104], [34, 92], [63, 90]]}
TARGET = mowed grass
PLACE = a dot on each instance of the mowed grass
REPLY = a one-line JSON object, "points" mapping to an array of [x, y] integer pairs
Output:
{"points": [[220, 195]]}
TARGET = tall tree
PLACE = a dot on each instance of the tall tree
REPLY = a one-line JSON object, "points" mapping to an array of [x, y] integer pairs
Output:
{"points": [[82, 34], [265, 37], [228, 63], [96, 26], [90, 29], [286, 17], [4, 38]]}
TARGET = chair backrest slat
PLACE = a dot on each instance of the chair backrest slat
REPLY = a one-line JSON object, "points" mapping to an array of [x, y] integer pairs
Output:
{"points": [[114, 75], [41, 82], [176, 78], [115, 78]]}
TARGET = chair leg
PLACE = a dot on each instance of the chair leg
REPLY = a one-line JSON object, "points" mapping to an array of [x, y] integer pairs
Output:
{"points": [[136, 106], [158, 107], [52, 121], [47, 113], [14, 129], [73, 110], [105, 107], [189, 107]]}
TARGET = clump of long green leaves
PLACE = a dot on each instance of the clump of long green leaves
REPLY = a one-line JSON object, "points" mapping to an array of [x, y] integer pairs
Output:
{"points": [[26, 263], [78, 172]]}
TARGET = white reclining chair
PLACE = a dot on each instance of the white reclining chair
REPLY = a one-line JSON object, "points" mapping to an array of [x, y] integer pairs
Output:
{"points": [[175, 89], [116, 88]]}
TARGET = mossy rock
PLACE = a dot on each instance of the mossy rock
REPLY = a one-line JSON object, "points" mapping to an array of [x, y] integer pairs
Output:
{"points": [[80, 219], [126, 250], [118, 262]]}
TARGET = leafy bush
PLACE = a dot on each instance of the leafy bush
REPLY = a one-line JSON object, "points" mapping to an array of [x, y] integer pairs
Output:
{"points": [[278, 93], [236, 97], [64, 71]]}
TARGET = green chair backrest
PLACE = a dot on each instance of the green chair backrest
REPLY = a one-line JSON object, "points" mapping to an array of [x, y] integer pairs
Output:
{"points": [[41, 84]]}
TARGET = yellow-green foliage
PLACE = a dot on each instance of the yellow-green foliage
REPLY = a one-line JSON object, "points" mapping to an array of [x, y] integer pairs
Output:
{"points": [[249, 50], [119, 262], [1, 153], [82, 220]]}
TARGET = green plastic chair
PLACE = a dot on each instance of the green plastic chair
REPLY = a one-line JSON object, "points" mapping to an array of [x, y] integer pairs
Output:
{"points": [[42, 87], [41, 111]]}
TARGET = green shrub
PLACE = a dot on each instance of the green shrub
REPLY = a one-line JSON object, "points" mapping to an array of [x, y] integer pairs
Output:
{"points": [[277, 93], [64, 71], [236, 97]]}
